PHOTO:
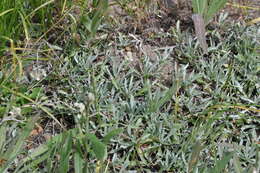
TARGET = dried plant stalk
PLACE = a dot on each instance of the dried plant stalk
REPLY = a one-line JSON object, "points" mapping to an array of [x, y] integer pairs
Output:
{"points": [[200, 31]]}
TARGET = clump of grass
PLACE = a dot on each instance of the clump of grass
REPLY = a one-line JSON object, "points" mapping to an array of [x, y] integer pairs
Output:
{"points": [[207, 8], [20, 19]]}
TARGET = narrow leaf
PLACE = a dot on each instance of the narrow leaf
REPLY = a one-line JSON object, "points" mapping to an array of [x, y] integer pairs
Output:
{"points": [[194, 156], [214, 7], [165, 98], [3, 129], [78, 163], [97, 146], [24, 26], [221, 164], [111, 134], [65, 152], [237, 165], [199, 6], [5, 12], [254, 21]]}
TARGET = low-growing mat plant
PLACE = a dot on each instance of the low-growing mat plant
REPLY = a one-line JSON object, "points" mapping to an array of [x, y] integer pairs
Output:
{"points": [[127, 108]]}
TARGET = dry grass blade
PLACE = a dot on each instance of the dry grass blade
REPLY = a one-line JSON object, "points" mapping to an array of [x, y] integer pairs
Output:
{"points": [[254, 21], [243, 6]]}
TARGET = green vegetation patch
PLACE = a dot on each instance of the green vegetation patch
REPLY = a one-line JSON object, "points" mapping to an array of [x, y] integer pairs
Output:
{"points": [[115, 101]]}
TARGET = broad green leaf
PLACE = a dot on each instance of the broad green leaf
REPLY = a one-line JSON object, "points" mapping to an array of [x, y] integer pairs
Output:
{"points": [[221, 164], [96, 22], [86, 22], [35, 93], [167, 96], [97, 146], [111, 134]]}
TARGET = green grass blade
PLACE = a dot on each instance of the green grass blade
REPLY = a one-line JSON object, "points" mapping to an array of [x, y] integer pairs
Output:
{"points": [[214, 7], [5, 12], [101, 9], [199, 6], [78, 163], [24, 26], [65, 152], [38, 8]]}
